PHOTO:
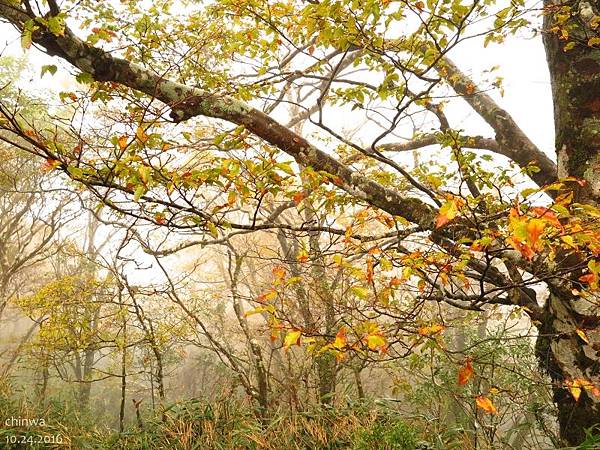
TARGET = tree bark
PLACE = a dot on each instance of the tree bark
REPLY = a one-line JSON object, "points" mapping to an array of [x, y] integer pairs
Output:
{"points": [[566, 358], [576, 94], [575, 78]]}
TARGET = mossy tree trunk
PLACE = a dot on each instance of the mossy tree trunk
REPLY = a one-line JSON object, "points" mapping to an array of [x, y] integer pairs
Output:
{"points": [[574, 67]]}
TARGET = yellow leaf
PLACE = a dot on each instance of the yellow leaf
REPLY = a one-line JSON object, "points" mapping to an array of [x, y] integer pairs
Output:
{"points": [[375, 341], [594, 41], [141, 135], [292, 338], [582, 335], [360, 292], [257, 310], [267, 296], [486, 404], [260, 310], [144, 172], [231, 198], [574, 388], [429, 330]]}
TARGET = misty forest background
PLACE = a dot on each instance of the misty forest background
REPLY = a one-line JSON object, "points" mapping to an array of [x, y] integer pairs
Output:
{"points": [[174, 274]]}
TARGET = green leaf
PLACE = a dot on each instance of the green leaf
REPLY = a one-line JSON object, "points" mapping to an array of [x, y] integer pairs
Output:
{"points": [[84, 78], [26, 40], [360, 292], [212, 228], [139, 191], [56, 25], [75, 172], [50, 68]]}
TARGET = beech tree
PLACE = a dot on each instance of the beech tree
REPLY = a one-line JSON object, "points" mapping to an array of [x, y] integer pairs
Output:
{"points": [[171, 84]]}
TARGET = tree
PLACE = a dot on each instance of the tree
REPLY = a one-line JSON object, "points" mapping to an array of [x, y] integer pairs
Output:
{"points": [[488, 242]]}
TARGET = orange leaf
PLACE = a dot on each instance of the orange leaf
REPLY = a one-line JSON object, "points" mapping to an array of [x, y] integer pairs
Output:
{"points": [[274, 335], [279, 272], [525, 249], [369, 269], [50, 165], [535, 227], [588, 278], [140, 133], [486, 404], [547, 215], [302, 256], [395, 281], [123, 142], [340, 339], [465, 373], [298, 197]]}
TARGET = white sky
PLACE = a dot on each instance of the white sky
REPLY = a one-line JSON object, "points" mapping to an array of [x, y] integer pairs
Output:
{"points": [[527, 89], [522, 65]]}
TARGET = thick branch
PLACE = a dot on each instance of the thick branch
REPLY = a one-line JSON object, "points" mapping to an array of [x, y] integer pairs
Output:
{"points": [[187, 102]]}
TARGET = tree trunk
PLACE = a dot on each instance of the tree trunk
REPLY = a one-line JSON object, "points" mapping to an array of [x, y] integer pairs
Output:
{"points": [[575, 78], [566, 357], [576, 93]]}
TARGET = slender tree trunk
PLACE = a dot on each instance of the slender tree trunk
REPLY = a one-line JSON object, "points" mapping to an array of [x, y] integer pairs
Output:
{"points": [[123, 379], [360, 392], [575, 77], [43, 387], [261, 393], [85, 388], [326, 361]]}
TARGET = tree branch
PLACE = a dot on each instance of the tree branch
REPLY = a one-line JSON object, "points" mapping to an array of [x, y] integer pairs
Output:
{"points": [[511, 140], [475, 142], [187, 102]]}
